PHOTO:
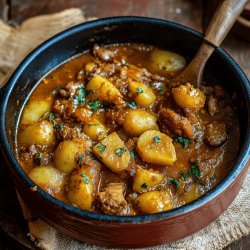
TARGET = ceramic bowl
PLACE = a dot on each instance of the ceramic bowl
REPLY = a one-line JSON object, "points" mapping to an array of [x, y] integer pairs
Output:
{"points": [[118, 231]]}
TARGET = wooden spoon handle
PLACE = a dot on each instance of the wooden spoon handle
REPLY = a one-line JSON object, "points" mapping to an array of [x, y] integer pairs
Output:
{"points": [[222, 20]]}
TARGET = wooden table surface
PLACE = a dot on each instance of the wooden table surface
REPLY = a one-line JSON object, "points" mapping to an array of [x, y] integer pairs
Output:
{"points": [[187, 12]]}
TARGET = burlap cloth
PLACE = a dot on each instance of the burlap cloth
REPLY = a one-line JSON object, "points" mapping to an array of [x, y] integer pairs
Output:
{"points": [[15, 43]]}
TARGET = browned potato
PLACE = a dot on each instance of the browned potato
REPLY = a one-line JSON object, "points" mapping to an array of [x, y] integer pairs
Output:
{"points": [[102, 89], [138, 121], [95, 130], [35, 109], [144, 96], [166, 61], [80, 190], [65, 156], [156, 147], [154, 202], [146, 179], [187, 96], [40, 133], [113, 153], [47, 178]]}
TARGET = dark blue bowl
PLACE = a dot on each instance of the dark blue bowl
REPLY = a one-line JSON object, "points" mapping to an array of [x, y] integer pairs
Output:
{"points": [[118, 231]]}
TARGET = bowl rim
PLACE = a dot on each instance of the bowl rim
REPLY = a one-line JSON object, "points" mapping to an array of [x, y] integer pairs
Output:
{"points": [[236, 170]]}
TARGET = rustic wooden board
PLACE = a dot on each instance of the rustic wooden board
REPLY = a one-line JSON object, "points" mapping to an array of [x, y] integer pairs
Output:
{"points": [[188, 12]]}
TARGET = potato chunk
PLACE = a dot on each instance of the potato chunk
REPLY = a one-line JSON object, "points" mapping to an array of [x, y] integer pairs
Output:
{"points": [[102, 89], [146, 179], [186, 96], [34, 110], [95, 130], [138, 121], [166, 61], [66, 153], [156, 147], [113, 153], [41, 133], [80, 190], [47, 177], [154, 202], [144, 95]]}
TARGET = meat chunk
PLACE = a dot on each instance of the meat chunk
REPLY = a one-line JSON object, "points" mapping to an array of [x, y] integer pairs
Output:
{"points": [[216, 133], [112, 201], [103, 53], [212, 106], [178, 124]]}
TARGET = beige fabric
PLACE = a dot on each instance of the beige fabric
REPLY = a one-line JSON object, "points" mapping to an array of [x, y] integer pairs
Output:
{"points": [[15, 43]]}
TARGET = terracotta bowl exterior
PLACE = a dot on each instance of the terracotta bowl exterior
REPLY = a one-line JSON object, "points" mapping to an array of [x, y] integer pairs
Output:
{"points": [[118, 231]]}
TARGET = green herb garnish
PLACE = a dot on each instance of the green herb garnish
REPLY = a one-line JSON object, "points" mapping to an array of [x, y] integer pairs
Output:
{"points": [[107, 181], [132, 154], [85, 178], [183, 141], [183, 175], [94, 105], [157, 139], [139, 90], [194, 170], [144, 185], [101, 147], [51, 116], [80, 159], [80, 98], [120, 151], [160, 88], [132, 105], [58, 126], [175, 183]]}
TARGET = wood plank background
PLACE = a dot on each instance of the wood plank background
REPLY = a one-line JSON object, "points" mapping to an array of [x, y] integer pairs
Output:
{"points": [[187, 12]]}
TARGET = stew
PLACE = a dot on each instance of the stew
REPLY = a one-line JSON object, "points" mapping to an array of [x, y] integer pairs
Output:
{"points": [[108, 132]]}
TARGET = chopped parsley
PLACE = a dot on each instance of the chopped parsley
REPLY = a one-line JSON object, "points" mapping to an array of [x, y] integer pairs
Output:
{"points": [[144, 185], [139, 90], [40, 156], [85, 178], [107, 181], [183, 141], [175, 183], [120, 151], [194, 170], [101, 147], [183, 175], [132, 105], [58, 88], [160, 88], [51, 116], [157, 139], [81, 95], [58, 126], [132, 154], [94, 105], [80, 159]]}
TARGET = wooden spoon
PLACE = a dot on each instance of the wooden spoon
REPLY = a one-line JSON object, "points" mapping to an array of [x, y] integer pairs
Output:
{"points": [[223, 19]]}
